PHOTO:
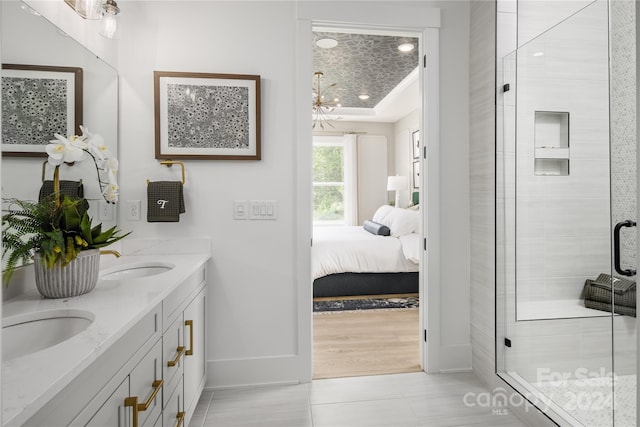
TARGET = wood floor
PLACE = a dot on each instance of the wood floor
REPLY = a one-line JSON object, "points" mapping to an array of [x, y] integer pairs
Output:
{"points": [[365, 342]]}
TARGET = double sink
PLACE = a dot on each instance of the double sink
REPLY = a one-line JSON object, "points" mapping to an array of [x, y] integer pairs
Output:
{"points": [[27, 333]]}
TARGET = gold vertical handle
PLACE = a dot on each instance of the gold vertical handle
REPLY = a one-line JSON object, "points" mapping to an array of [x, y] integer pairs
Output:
{"points": [[133, 402], [175, 361], [180, 417], [139, 407], [189, 323]]}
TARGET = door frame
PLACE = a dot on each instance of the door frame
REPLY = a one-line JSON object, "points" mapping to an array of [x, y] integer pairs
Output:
{"points": [[420, 20]]}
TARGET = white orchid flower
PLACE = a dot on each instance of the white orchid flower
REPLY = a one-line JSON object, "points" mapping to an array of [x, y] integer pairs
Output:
{"points": [[72, 149], [98, 148], [110, 192], [111, 165], [61, 150]]}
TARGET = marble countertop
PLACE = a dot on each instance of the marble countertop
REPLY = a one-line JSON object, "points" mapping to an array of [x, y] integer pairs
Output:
{"points": [[30, 381]]}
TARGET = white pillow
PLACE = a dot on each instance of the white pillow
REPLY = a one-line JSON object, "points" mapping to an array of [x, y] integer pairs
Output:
{"points": [[400, 221], [382, 212]]}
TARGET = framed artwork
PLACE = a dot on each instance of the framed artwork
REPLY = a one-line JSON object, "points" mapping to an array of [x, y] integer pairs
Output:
{"points": [[207, 116], [415, 143], [38, 102], [416, 174]]}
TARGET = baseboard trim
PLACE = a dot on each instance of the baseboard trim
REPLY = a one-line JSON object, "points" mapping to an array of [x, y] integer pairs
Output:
{"points": [[259, 371], [455, 358]]}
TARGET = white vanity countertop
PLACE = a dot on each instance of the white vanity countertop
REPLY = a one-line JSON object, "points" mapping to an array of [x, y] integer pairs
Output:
{"points": [[30, 381]]}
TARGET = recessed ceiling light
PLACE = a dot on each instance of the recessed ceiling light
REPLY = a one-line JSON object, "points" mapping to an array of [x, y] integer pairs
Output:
{"points": [[327, 43], [538, 54], [406, 47], [364, 97]]}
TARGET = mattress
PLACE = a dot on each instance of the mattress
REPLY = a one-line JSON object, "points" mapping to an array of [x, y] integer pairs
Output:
{"points": [[352, 249]]}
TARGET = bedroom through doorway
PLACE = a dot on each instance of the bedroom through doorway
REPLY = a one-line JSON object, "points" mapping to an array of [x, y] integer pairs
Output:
{"points": [[366, 202]]}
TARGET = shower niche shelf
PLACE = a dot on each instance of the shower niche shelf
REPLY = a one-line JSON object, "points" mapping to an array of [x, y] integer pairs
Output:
{"points": [[551, 143]]}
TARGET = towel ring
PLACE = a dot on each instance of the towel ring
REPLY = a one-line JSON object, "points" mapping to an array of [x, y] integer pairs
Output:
{"points": [[169, 163]]}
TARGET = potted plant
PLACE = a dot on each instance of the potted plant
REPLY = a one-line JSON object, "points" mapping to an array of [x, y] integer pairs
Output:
{"points": [[57, 231]]}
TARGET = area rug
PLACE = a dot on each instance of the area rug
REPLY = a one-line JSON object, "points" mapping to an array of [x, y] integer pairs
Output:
{"points": [[366, 304]]}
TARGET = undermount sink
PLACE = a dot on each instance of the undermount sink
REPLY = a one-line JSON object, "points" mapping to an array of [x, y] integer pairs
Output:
{"points": [[28, 333], [135, 271]]}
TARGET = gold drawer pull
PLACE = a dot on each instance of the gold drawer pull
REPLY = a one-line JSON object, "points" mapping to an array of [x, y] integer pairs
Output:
{"points": [[189, 323], [139, 407], [175, 361], [180, 417]]}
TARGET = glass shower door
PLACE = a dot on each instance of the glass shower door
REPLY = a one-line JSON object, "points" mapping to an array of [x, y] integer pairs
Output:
{"points": [[565, 179]]}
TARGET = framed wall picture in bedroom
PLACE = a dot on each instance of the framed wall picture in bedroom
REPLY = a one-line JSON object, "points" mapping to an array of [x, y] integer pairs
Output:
{"points": [[207, 116], [38, 101], [416, 174], [415, 143]]}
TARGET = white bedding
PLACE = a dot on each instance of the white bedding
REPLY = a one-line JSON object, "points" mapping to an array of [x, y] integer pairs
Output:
{"points": [[341, 249]]}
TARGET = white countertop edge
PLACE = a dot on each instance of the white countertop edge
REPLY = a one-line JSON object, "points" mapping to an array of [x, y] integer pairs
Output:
{"points": [[29, 382]]}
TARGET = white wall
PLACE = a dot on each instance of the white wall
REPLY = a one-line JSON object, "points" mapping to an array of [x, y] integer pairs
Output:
{"points": [[403, 130], [252, 305]]}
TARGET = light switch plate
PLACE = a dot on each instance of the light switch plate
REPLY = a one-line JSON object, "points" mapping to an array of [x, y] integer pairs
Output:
{"points": [[263, 209], [240, 209]]}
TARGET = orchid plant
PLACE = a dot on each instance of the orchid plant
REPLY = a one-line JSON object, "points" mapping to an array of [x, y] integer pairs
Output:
{"points": [[76, 148], [59, 227]]}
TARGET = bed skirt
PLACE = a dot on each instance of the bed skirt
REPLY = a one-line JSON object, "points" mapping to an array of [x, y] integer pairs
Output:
{"points": [[349, 284]]}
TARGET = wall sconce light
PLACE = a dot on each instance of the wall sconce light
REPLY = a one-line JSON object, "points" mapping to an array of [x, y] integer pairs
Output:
{"points": [[110, 11], [88, 9], [96, 9]]}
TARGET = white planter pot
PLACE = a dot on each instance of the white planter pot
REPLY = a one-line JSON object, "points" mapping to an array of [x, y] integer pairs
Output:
{"points": [[76, 278]]}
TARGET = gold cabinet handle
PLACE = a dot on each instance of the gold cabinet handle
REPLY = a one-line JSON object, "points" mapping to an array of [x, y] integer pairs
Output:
{"points": [[139, 407], [175, 361], [180, 417], [189, 323]]}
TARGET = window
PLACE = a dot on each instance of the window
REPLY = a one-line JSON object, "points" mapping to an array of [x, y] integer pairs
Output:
{"points": [[328, 181]]}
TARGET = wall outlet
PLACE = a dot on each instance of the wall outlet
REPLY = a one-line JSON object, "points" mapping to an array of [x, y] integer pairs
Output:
{"points": [[133, 210], [105, 211]]}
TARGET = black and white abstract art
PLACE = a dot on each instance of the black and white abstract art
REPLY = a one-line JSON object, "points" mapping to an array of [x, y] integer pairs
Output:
{"points": [[37, 103], [207, 116]]}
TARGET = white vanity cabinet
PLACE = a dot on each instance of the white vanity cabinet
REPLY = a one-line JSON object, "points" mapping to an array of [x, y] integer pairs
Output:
{"points": [[99, 391], [151, 376], [185, 339], [194, 362]]}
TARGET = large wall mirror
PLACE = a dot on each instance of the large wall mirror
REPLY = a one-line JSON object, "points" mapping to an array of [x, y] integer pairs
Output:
{"points": [[29, 39]]}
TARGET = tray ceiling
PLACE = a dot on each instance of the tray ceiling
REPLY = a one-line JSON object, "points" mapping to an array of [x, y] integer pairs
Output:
{"points": [[363, 64]]}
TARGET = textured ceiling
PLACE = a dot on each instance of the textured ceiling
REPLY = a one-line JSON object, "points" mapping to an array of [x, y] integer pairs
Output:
{"points": [[362, 64]]}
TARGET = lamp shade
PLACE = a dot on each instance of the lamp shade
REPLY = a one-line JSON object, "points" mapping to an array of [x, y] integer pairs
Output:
{"points": [[396, 183]]}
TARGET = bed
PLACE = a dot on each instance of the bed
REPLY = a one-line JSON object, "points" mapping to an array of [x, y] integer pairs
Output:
{"points": [[349, 260]]}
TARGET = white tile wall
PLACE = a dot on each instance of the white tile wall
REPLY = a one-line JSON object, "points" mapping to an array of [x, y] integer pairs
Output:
{"points": [[563, 223]]}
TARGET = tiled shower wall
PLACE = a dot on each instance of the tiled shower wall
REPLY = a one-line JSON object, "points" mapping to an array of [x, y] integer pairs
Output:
{"points": [[562, 222]]}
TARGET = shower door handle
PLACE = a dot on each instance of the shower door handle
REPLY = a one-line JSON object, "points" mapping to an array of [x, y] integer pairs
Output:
{"points": [[616, 247]]}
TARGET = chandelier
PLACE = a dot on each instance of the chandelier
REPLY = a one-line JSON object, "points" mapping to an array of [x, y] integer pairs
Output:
{"points": [[321, 108]]}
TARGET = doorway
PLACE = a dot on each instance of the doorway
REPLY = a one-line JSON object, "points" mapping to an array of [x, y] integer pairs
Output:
{"points": [[366, 118], [425, 22]]}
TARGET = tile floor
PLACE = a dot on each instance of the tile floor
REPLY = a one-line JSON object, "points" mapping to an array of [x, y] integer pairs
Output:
{"points": [[414, 399]]}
